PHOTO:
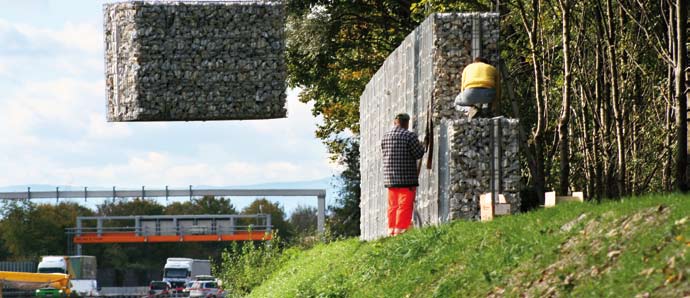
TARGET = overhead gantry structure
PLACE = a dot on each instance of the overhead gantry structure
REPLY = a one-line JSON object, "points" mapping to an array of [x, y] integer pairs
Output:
{"points": [[320, 195], [169, 228]]}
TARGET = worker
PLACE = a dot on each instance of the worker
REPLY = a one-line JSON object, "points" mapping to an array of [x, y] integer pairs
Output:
{"points": [[401, 150], [481, 85]]}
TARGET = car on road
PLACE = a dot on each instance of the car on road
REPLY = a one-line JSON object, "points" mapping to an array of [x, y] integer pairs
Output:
{"points": [[206, 289], [187, 287], [159, 289]]}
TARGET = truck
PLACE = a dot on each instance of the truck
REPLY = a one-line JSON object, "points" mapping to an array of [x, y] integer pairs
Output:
{"points": [[59, 283], [179, 271], [81, 270]]}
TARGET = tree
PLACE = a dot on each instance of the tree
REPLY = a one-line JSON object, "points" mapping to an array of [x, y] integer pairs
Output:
{"points": [[334, 48], [137, 206], [529, 18], [600, 85], [680, 95], [152, 256], [344, 219], [204, 205], [303, 220], [264, 206], [4, 253], [564, 121], [30, 230]]}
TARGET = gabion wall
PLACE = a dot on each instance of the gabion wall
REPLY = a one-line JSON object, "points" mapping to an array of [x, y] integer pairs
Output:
{"points": [[182, 61], [476, 147], [423, 76]]}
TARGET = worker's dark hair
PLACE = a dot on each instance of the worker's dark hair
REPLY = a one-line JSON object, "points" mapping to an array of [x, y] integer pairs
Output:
{"points": [[481, 59], [402, 117]]}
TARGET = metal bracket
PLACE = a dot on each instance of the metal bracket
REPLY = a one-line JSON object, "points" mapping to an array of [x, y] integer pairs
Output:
{"points": [[476, 36]]}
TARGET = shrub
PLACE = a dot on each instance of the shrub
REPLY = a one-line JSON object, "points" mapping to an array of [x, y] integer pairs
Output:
{"points": [[245, 266]]}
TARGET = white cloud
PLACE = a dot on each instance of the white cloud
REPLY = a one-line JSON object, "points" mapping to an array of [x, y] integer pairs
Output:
{"points": [[4, 68], [157, 168], [84, 37], [63, 120], [99, 129], [53, 128], [37, 104]]}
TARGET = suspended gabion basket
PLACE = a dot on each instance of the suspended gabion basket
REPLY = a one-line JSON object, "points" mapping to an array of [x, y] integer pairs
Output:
{"points": [[202, 60]]}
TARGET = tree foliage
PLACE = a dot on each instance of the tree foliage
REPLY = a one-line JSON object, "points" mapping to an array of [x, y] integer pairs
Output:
{"points": [[333, 49], [29, 230], [596, 85], [137, 206], [204, 205], [277, 213], [303, 220], [344, 217]]}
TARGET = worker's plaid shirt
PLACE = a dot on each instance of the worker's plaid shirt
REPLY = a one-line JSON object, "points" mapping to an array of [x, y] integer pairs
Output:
{"points": [[401, 150]]}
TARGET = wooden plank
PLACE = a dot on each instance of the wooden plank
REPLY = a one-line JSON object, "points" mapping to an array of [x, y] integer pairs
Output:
{"points": [[550, 199], [502, 209], [490, 209], [580, 195], [564, 199], [486, 207]]}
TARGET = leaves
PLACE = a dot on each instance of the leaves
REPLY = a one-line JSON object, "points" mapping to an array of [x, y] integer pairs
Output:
{"points": [[334, 48], [280, 224], [29, 230]]}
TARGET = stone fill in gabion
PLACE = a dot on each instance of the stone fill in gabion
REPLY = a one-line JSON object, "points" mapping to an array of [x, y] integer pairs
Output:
{"points": [[184, 61], [471, 155]]}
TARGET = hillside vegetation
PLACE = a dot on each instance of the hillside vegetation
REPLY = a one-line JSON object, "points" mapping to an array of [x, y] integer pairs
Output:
{"points": [[636, 247]]}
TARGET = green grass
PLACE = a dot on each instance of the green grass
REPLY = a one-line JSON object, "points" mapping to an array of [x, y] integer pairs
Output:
{"points": [[616, 249]]}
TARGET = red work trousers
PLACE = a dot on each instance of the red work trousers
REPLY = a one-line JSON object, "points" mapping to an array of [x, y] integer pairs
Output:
{"points": [[400, 207]]}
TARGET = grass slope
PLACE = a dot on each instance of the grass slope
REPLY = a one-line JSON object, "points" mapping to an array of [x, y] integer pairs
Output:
{"points": [[635, 247]]}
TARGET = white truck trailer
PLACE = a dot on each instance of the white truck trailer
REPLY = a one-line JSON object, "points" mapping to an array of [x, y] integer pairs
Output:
{"points": [[81, 269], [179, 271]]}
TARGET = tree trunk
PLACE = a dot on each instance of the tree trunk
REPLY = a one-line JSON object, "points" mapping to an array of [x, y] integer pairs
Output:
{"points": [[615, 99], [564, 121], [602, 151], [667, 174], [668, 142], [532, 27], [681, 100]]}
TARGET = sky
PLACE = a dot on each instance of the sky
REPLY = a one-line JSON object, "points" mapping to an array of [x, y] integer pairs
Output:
{"points": [[53, 128]]}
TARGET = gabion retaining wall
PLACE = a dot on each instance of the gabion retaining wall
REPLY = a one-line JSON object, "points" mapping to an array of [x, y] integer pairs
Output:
{"points": [[182, 61], [474, 148], [423, 76]]}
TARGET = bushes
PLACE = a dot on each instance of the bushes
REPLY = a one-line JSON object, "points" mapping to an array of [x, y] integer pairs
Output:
{"points": [[245, 266]]}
